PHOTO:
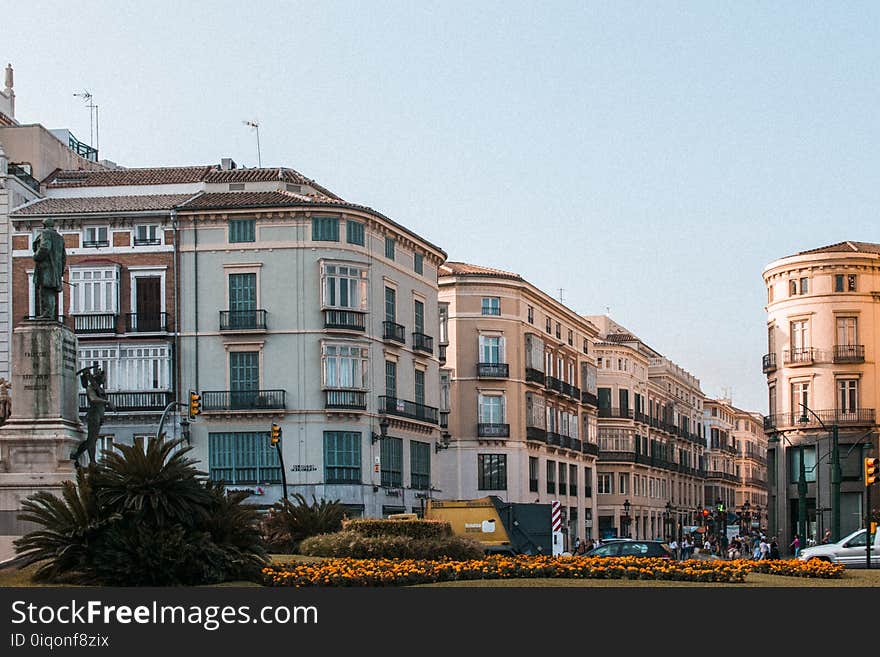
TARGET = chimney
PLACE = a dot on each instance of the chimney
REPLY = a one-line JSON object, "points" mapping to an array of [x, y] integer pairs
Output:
{"points": [[8, 93], [227, 164]]}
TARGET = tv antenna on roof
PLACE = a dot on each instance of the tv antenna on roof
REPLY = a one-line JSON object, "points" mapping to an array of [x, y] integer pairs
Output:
{"points": [[561, 295], [256, 125], [93, 118]]}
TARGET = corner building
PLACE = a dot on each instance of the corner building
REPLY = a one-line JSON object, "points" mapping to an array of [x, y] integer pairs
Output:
{"points": [[522, 396], [821, 367]]}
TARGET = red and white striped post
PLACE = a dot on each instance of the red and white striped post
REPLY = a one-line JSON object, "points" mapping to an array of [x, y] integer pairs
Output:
{"points": [[556, 526]]}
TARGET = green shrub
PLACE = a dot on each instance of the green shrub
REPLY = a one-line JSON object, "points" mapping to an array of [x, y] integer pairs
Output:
{"points": [[411, 528], [142, 517], [287, 523], [357, 546]]}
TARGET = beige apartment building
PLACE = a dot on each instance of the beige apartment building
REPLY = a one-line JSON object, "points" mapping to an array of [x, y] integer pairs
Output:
{"points": [[751, 468], [721, 477], [821, 374], [650, 473], [518, 395]]}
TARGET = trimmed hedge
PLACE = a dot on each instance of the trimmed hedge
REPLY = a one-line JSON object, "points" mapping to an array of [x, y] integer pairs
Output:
{"points": [[358, 546], [418, 529]]}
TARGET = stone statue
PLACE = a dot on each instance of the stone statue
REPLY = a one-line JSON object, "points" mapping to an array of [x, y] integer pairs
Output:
{"points": [[5, 400], [92, 378], [49, 269]]}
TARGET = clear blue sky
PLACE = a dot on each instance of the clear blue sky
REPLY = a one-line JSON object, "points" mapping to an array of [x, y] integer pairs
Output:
{"points": [[648, 157]]}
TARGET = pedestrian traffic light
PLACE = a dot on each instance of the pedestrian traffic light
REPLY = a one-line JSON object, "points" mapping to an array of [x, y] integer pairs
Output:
{"points": [[276, 434], [872, 471], [195, 404], [705, 513]]}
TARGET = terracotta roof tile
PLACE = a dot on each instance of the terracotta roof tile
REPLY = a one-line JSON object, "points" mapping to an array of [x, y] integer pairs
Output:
{"points": [[118, 177], [620, 337], [266, 175], [464, 269], [219, 200], [101, 204], [845, 247]]}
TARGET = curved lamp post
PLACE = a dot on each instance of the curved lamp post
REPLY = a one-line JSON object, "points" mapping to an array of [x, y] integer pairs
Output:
{"points": [[626, 519], [835, 472]]}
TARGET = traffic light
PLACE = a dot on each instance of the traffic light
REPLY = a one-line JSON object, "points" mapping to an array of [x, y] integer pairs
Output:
{"points": [[872, 470], [705, 513], [276, 434], [195, 404]]}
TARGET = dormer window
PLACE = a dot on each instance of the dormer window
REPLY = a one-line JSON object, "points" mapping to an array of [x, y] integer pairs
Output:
{"points": [[95, 237]]}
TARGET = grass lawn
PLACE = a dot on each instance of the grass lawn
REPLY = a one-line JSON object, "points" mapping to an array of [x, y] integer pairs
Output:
{"points": [[861, 578]]}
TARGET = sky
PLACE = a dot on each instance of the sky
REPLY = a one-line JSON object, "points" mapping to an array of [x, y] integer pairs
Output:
{"points": [[650, 159]]}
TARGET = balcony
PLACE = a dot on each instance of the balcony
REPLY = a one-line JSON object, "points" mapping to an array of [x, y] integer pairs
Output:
{"points": [[616, 455], [554, 438], [798, 356], [828, 417], [641, 417], [554, 384], [571, 391], [407, 409], [422, 342], [355, 400], [103, 323], [589, 398], [849, 353], [147, 241], [146, 322], [492, 370], [623, 413], [95, 244], [534, 376], [577, 445], [242, 320], [444, 419], [242, 400], [393, 332], [769, 363], [345, 320], [493, 430], [133, 402], [537, 434], [590, 448]]}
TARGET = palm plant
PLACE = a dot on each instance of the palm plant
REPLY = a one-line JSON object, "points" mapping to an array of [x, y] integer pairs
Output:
{"points": [[286, 523]]}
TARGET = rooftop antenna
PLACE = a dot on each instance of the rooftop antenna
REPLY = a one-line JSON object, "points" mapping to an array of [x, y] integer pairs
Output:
{"points": [[93, 118], [256, 125], [561, 295]]}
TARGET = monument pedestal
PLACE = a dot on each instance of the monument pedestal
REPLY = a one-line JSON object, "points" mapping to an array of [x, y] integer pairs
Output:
{"points": [[36, 441]]}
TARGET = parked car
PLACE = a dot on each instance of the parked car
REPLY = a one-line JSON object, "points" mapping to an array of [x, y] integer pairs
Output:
{"points": [[850, 551], [632, 548]]}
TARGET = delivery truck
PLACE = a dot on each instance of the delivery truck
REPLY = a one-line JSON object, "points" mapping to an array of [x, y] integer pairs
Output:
{"points": [[502, 527]]}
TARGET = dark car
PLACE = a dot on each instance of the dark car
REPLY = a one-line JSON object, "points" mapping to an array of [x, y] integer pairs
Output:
{"points": [[656, 549]]}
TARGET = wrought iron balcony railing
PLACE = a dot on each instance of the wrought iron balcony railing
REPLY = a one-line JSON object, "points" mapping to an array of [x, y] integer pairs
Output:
{"points": [[493, 430], [146, 322], [589, 398], [798, 356], [534, 376], [554, 384], [492, 370], [345, 399], [408, 409], [828, 417], [536, 433], [242, 400], [242, 320], [624, 413], [849, 353], [769, 363], [102, 323], [132, 402], [394, 332], [422, 342], [348, 320]]}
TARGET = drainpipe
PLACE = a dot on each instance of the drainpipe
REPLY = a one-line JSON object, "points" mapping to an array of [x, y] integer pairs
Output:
{"points": [[196, 298], [176, 284]]}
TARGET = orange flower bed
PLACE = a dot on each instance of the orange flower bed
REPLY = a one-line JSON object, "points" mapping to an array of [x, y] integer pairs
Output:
{"points": [[401, 572]]}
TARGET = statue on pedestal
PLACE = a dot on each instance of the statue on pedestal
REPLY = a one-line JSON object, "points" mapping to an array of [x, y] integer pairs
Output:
{"points": [[5, 400], [49, 269], [92, 378]]}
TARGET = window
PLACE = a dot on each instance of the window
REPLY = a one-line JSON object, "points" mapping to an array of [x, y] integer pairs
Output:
{"points": [[245, 457], [770, 293], [588, 482], [104, 447], [563, 479], [548, 327], [491, 409], [131, 368], [390, 378], [792, 287], [800, 397], [847, 334], [530, 315], [586, 346], [95, 236], [623, 480], [342, 457], [533, 474], [558, 330], [344, 286], [242, 300], [420, 465], [851, 283], [344, 366], [420, 386], [794, 455], [444, 323], [492, 471], [847, 395], [572, 480], [242, 230], [491, 306], [147, 234], [389, 248], [325, 229], [391, 457], [354, 232], [800, 341], [94, 290], [551, 477], [804, 287], [419, 316], [571, 338], [244, 378], [605, 483], [418, 263], [839, 282], [390, 304], [491, 349]]}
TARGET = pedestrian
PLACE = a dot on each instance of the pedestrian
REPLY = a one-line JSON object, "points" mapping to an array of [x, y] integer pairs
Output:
{"points": [[673, 545], [756, 550], [826, 538], [577, 544], [796, 546], [764, 548], [774, 549]]}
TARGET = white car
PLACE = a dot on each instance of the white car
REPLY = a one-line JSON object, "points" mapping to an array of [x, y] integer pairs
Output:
{"points": [[849, 551]]}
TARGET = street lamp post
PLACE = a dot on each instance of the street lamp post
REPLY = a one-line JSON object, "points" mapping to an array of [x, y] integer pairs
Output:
{"points": [[626, 519], [802, 499], [835, 472]]}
